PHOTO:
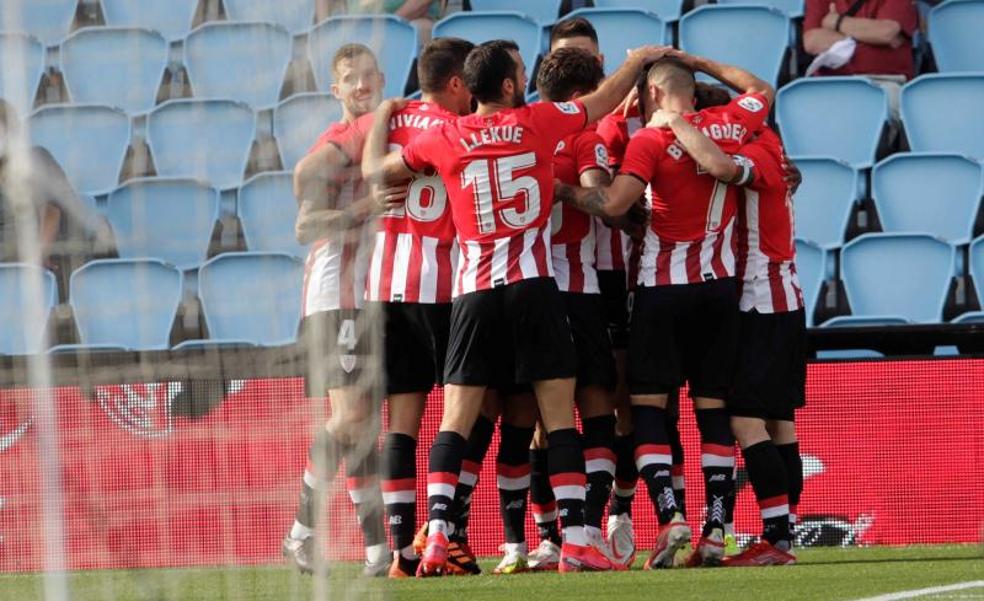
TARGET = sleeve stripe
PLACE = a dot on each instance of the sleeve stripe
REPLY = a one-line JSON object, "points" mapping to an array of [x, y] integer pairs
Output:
{"points": [[644, 182]]}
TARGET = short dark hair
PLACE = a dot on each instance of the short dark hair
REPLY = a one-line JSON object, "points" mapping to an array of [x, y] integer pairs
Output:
{"points": [[440, 60], [668, 68], [566, 71], [348, 52], [487, 66], [707, 95], [575, 27]]}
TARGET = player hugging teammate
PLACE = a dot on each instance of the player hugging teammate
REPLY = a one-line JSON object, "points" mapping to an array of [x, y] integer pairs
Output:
{"points": [[446, 222]]}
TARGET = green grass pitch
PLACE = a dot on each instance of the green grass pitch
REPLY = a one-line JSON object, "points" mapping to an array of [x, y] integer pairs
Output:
{"points": [[822, 574]]}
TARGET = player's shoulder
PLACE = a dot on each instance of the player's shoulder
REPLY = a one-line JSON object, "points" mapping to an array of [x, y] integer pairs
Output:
{"points": [[650, 136]]}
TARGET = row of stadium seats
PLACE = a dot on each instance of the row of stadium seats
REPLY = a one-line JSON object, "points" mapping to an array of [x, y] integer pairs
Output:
{"points": [[131, 305], [251, 298], [123, 65], [841, 119]]}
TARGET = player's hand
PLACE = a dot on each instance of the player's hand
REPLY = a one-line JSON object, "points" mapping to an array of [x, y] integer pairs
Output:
{"points": [[390, 106], [630, 105], [689, 60], [648, 54], [830, 19], [662, 119], [793, 177], [389, 198], [634, 222]]}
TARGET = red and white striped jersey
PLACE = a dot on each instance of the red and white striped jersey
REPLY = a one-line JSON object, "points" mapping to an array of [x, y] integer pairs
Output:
{"points": [[614, 247], [573, 231], [414, 252], [766, 252], [498, 171], [336, 266], [690, 239]]}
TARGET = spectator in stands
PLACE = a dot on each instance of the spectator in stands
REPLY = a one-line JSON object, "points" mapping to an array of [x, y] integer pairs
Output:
{"points": [[863, 37], [421, 13], [35, 193]]}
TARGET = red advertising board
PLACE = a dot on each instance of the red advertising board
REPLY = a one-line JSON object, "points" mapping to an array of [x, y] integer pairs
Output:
{"points": [[893, 453]]}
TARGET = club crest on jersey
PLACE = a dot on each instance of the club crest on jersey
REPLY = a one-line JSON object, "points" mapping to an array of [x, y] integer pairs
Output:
{"points": [[140, 409], [601, 155], [751, 104], [568, 108], [347, 362]]}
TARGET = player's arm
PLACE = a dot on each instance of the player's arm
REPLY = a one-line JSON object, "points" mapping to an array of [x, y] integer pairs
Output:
{"points": [[604, 201], [379, 166], [316, 190], [736, 78], [704, 151], [614, 89]]}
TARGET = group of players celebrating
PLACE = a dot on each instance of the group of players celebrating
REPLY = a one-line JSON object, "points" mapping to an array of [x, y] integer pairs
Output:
{"points": [[512, 267]]}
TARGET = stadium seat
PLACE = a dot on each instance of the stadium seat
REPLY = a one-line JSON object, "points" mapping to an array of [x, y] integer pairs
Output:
{"points": [[667, 10], [47, 20], [124, 304], [298, 120], [942, 113], [19, 85], [167, 219], [721, 31], [392, 39], [924, 192], [115, 66], [266, 211], [976, 271], [171, 18], [792, 8], [207, 140], [621, 29], [954, 33], [239, 61], [297, 16], [481, 27], [854, 353], [542, 11], [824, 200], [252, 297], [837, 117], [895, 279], [88, 141], [811, 269], [18, 335]]}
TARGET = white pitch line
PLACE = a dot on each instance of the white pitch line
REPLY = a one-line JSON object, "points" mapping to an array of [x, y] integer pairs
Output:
{"points": [[933, 590]]}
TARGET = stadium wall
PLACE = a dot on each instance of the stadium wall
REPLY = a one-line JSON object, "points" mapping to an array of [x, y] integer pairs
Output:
{"points": [[893, 450]]}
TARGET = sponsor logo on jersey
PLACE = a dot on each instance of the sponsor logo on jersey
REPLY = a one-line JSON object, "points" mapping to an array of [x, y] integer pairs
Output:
{"points": [[751, 104], [568, 108]]}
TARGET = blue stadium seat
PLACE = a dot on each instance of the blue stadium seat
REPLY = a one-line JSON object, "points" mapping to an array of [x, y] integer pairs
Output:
{"points": [[481, 27], [124, 304], [115, 66], [942, 113], [925, 192], [837, 117], [252, 297], [88, 141], [824, 200], [266, 211], [47, 20], [976, 271], [172, 18], [621, 29], [667, 10], [392, 39], [792, 8], [542, 11], [167, 219], [207, 140], [239, 61], [297, 16], [954, 33], [18, 86], [18, 335], [299, 120], [854, 353], [895, 279], [811, 269], [721, 32]]}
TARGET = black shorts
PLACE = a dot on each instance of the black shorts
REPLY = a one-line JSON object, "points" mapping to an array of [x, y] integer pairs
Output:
{"points": [[684, 333], [770, 379], [416, 342], [340, 342], [595, 362], [516, 334], [614, 294]]}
